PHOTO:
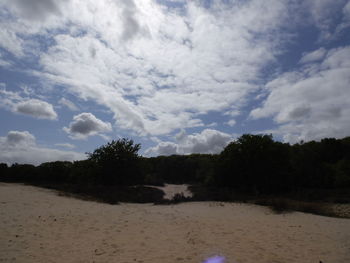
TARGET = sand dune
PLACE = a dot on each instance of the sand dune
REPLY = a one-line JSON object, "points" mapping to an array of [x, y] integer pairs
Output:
{"points": [[170, 190], [36, 225]]}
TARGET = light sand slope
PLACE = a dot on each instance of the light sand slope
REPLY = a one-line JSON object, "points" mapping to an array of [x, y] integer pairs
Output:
{"points": [[38, 226], [170, 190]]}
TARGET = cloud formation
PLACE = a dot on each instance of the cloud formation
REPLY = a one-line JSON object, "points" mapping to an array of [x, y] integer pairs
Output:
{"points": [[161, 66], [21, 147], [36, 108], [35, 9], [130, 23], [208, 141], [313, 56], [151, 82], [10, 42], [85, 125], [66, 145], [15, 102], [321, 13], [69, 104], [313, 102], [23, 138]]}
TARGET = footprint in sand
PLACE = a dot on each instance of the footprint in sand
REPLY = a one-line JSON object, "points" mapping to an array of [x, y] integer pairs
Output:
{"points": [[99, 252]]}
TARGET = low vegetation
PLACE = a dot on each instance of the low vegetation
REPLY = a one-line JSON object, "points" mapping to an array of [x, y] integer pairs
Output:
{"points": [[253, 167]]}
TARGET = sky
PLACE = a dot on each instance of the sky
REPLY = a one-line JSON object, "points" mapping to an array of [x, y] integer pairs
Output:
{"points": [[176, 76]]}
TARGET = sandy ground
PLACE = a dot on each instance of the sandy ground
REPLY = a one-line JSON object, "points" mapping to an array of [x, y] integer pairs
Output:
{"points": [[36, 225], [170, 190]]}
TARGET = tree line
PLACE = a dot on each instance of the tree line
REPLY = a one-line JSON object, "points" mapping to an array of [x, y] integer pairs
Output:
{"points": [[254, 164]]}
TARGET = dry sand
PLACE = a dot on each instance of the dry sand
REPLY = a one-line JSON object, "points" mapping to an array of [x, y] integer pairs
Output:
{"points": [[36, 225], [170, 190]]}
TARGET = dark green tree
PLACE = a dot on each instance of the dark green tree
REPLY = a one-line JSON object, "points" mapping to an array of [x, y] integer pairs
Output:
{"points": [[83, 172], [22, 173], [55, 172], [117, 163], [255, 163], [3, 171]]}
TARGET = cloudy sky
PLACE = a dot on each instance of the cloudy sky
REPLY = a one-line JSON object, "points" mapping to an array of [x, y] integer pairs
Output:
{"points": [[176, 76]]}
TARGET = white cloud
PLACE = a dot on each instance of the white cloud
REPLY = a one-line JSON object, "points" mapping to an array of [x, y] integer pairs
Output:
{"points": [[86, 124], [20, 147], [36, 108], [213, 124], [163, 148], [10, 42], [17, 103], [208, 141], [69, 104], [231, 123], [313, 102], [36, 10], [346, 11], [26, 90], [313, 56], [322, 13], [130, 23], [66, 145], [20, 138], [156, 74], [346, 19], [4, 63], [159, 69]]}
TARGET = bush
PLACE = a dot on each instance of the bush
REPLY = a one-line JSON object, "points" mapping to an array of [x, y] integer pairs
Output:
{"points": [[3, 171], [109, 194], [283, 205], [255, 163], [117, 163]]}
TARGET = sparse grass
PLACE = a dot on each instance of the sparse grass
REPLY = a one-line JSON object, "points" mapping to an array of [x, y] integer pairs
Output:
{"points": [[301, 202], [146, 194], [202, 193], [284, 205], [108, 194], [276, 205], [178, 198]]}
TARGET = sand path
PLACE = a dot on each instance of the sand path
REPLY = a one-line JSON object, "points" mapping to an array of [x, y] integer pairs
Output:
{"points": [[170, 190], [36, 225]]}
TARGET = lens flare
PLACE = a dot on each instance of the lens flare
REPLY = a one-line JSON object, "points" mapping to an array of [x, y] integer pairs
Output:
{"points": [[216, 259]]}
